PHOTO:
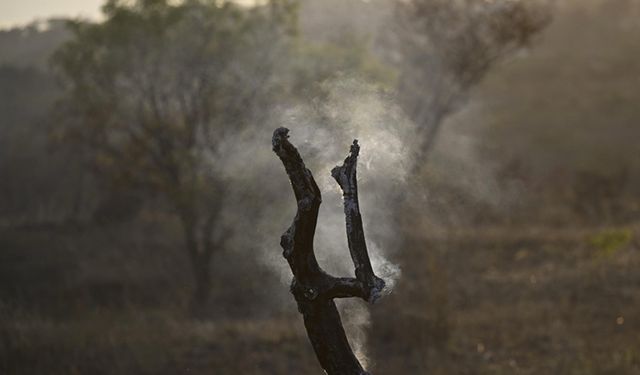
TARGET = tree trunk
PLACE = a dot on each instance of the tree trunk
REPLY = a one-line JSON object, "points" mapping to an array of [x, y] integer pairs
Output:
{"points": [[200, 260], [312, 288], [429, 121], [202, 277]]}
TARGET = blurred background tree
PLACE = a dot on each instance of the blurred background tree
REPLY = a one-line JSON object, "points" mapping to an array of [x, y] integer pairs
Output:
{"points": [[446, 47], [155, 89]]}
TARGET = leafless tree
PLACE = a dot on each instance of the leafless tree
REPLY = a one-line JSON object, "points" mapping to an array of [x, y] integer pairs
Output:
{"points": [[314, 289], [447, 46]]}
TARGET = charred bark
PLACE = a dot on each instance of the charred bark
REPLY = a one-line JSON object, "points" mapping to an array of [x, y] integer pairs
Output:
{"points": [[313, 289]]}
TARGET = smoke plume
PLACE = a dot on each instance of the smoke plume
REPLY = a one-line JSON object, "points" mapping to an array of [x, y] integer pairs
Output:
{"points": [[323, 129]]}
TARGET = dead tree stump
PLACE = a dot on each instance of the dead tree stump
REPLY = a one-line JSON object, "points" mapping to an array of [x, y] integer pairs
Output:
{"points": [[313, 289]]}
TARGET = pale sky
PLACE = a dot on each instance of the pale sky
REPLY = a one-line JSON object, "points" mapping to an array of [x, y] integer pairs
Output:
{"points": [[19, 12]]}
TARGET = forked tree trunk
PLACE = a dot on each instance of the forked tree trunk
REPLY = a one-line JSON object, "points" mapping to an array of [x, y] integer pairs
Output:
{"points": [[313, 289]]}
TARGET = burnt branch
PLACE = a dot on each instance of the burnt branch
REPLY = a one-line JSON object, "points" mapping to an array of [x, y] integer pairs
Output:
{"points": [[313, 289], [345, 175]]}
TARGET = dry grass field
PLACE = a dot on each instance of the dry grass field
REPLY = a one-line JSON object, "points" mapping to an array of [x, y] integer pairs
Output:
{"points": [[496, 300]]}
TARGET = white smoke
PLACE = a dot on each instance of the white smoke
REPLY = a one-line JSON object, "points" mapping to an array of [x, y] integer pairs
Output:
{"points": [[323, 131], [323, 134]]}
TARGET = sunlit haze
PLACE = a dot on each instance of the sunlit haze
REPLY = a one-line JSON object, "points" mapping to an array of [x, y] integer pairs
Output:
{"points": [[15, 13]]}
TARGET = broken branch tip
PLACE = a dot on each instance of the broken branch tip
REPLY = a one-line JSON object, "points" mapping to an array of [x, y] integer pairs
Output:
{"points": [[280, 135]]}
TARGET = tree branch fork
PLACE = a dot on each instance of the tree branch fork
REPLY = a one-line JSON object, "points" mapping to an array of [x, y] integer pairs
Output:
{"points": [[314, 289]]}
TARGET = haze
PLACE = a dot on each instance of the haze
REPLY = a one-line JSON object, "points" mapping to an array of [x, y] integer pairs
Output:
{"points": [[15, 13]]}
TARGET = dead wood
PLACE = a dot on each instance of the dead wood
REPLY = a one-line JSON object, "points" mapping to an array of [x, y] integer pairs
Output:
{"points": [[313, 289]]}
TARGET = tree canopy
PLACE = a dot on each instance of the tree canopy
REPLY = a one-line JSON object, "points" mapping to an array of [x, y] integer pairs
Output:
{"points": [[157, 88]]}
